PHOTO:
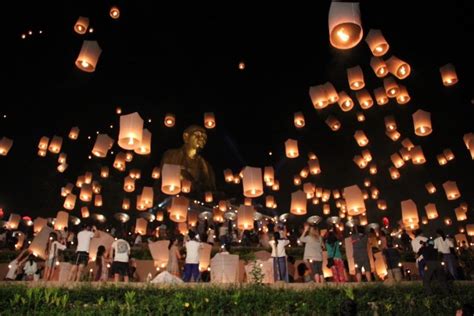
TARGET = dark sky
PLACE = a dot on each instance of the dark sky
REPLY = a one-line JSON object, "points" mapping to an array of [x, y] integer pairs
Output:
{"points": [[184, 60]]}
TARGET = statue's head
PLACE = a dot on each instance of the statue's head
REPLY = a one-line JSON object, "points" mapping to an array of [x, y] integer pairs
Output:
{"points": [[195, 136]]}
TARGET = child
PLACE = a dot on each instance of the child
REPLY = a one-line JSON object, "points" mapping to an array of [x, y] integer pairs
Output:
{"points": [[30, 268], [102, 272], [279, 257], [52, 248]]}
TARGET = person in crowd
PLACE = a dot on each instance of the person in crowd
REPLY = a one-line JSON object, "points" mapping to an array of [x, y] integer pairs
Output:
{"points": [[102, 272], [82, 251], [120, 251], [30, 268], [405, 240], [174, 257], [333, 248], [191, 265], [138, 240], [392, 260], [211, 235], [445, 247], [416, 245], [14, 266], [433, 268], [132, 270], [278, 244], [361, 256], [52, 249], [291, 268], [313, 251], [304, 274]]}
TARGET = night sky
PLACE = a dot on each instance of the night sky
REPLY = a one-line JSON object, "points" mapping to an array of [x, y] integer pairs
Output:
{"points": [[185, 60]]}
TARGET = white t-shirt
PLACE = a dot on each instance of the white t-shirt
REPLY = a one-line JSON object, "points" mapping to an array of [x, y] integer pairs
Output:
{"points": [[30, 269], [121, 250], [279, 250], [192, 251], [443, 245], [53, 249], [313, 247], [415, 243], [84, 240]]}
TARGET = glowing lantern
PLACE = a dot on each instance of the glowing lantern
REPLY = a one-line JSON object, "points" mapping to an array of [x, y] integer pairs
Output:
{"points": [[393, 135], [360, 117], [268, 175], [410, 214], [382, 205], [159, 216], [104, 172], [448, 154], [430, 188], [74, 133], [363, 219], [314, 167], [38, 224], [131, 131], [103, 144], [145, 145], [333, 123], [441, 159], [318, 97], [43, 143], [41, 152], [470, 229], [62, 158], [463, 206], [355, 76], [390, 124], [297, 180], [86, 193], [140, 205], [186, 186], [424, 220], [126, 204], [208, 197], [135, 174], [408, 144], [345, 27], [193, 218], [373, 169], [394, 173], [360, 138], [345, 102], [155, 173], [209, 120], [364, 98], [379, 67], [13, 221], [147, 196], [269, 201], [331, 93], [448, 221], [67, 189], [81, 25], [380, 96], [252, 182], [69, 202], [61, 221], [298, 119], [405, 154], [397, 160], [170, 120], [319, 192], [403, 97], [55, 144], [114, 12], [171, 183], [315, 201], [398, 67], [308, 189], [141, 226], [460, 214], [326, 195], [422, 123], [391, 87], [326, 209], [417, 156], [129, 184], [276, 185], [119, 162], [223, 205], [448, 75], [360, 161], [88, 56], [128, 156], [377, 43], [291, 147], [96, 187], [367, 182], [374, 193], [245, 217], [236, 179], [354, 200], [88, 177], [62, 167], [85, 212], [80, 181], [451, 190], [217, 215], [304, 172], [179, 209]]}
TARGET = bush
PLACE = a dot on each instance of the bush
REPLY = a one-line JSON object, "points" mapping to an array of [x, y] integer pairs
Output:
{"points": [[238, 300]]}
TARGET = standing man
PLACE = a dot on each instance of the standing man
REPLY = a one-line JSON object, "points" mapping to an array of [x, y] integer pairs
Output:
{"points": [[120, 254], [416, 245], [82, 251]]}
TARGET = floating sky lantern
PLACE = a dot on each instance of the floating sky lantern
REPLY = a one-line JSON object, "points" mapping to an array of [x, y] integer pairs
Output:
{"points": [[394, 173], [379, 67], [209, 120], [451, 190], [430, 188], [345, 27], [55, 144], [291, 147], [252, 182], [169, 120], [390, 123], [5, 145], [298, 119], [448, 75], [345, 102], [354, 200], [380, 96], [398, 67], [360, 138], [70, 202], [392, 89], [331, 93], [245, 217], [355, 76], [410, 217], [155, 173], [417, 156], [422, 123], [171, 183], [298, 203], [431, 211], [144, 148], [318, 97], [88, 56], [81, 25], [131, 131], [333, 123], [114, 12], [365, 99], [103, 144], [377, 43], [403, 97]]}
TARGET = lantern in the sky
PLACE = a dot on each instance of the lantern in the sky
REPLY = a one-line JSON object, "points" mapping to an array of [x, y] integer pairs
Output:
{"points": [[171, 182], [318, 97], [431, 211], [69, 202], [410, 214], [460, 214], [448, 75], [86, 193], [103, 144], [268, 175], [441, 159], [252, 182], [360, 161], [403, 97], [276, 185], [391, 87], [394, 173], [88, 56], [382, 205], [209, 120], [422, 123], [104, 172], [291, 147], [430, 188], [365, 99], [397, 160], [155, 173], [245, 217], [297, 180], [269, 201], [81, 25], [85, 212], [448, 153], [398, 67], [55, 144], [61, 221], [131, 131], [208, 197], [355, 76], [405, 153], [114, 12], [333, 123], [451, 190], [43, 143], [128, 184], [331, 93], [407, 143], [141, 226], [74, 133], [390, 123], [147, 196], [298, 119], [298, 203], [119, 161], [469, 142], [186, 186], [314, 167], [345, 102], [144, 148], [126, 204], [360, 117], [470, 229], [345, 26], [380, 96], [170, 120], [379, 67], [5, 145], [417, 156], [354, 200], [360, 138], [377, 43], [98, 200]]}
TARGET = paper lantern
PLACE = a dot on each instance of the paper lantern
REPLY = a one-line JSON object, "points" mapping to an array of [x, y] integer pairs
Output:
{"points": [[276, 185], [186, 186], [128, 156], [451, 190], [360, 138], [13, 221], [141, 226], [364, 98], [155, 173], [119, 162], [430, 188], [69, 202], [367, 182], [354, 200], [170, 182], [228, 175], [80, 181], [380, 96], [268, 175], [333, 123], [448, 75], [373, 168], [88, 177], [309, 189], [360, 161], [377, 43], [460, 214], [135, 174], [448, 221], [406, 155], [62, 158], [391, 87], [394, 173], [62, 167], [345, 27], [67, 189], [397, 160], [345, 102], [409, 214], [408, 144], [104, 172], [223, 205], [74, 133], [291, 147], [469, 142], [326, 195], [314, 167], [390, 123], [296, 180], [147, 196], [208, 197], [424, 220], [129, 184], [248, 201], [252, 182], [38, 224], [318, 192], [42, 153], [360, 117], [331, 93], [114, 12], [86, 193], [374, 193], [393, 135], [61, 221], [379, 67], [382, 205], [441, 159], [55, 144], [183, 228], [463, 206], [193, 218], [131, 131], [448, 154], [422, 123], [470, 229], [304, 172], [103, 144], [318, 97], [81, 25], [355, 76], [417, 156], [88, 56], [126, 204], [43, 143], [85, 212], [398, 67], [209, 120], [140, 205], [403, 97], [245, 217], [159, 216], [236, 179], [170, 120], [326, 209], [179, 209], [144, 148], [96, 187], [298, 119]]}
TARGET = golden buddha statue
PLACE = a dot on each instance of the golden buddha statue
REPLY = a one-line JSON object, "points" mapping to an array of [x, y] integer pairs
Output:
{"points": [[193, 166]]}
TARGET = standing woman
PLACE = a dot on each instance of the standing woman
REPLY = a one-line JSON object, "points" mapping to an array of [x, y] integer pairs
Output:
{"points": [[175, 256], [313, 251], [102, 273], [280, 271], [52, 248], [334, 251]]}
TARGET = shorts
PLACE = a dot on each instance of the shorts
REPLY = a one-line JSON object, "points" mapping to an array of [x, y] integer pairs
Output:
{"points": [[120, 268], [82, 257], [317, 267]]}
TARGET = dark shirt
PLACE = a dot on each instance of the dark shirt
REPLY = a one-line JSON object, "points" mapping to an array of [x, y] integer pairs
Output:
{"points": [[429, 253], [392, 257]]}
